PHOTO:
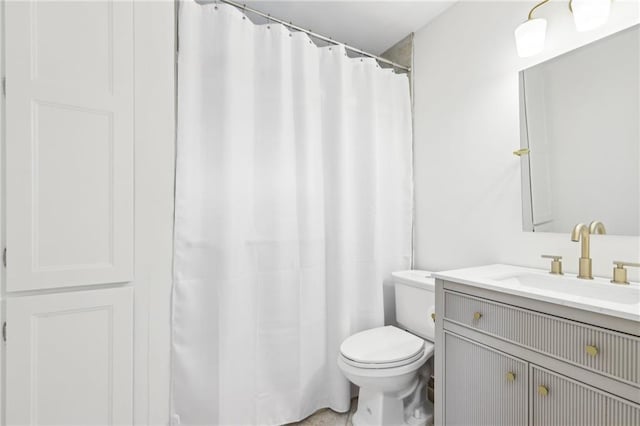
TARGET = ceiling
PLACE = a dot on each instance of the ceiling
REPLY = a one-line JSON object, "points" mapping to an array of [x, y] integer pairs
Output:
{"points": [[372, 26]]}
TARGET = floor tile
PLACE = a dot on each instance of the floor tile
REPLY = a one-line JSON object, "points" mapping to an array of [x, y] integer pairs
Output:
{"points": [[327, 417]]}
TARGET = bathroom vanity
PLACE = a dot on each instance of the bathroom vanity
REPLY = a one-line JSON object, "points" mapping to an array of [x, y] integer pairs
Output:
{"points": [[518, 346]]}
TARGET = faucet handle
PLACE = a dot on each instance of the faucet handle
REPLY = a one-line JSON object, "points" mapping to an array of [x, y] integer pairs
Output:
{"points": [[620, 273], [556, 263]]}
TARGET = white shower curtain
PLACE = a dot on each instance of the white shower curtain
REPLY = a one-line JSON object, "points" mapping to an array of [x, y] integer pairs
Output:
{"points": [[293, 205]]}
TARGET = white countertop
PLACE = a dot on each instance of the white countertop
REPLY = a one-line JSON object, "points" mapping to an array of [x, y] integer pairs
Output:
{"points": [[491, 277]]}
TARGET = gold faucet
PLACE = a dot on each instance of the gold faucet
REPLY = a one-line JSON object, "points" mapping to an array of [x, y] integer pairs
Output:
{"points": [[597, 227], [583, 231]]}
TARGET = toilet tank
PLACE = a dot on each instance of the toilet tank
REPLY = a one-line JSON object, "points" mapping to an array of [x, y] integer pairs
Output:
{"points": [[415, 302]]}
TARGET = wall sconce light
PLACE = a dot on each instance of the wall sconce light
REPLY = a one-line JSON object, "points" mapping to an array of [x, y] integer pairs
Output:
{"points": [[587, 15], [530, 36], [590, 14]]}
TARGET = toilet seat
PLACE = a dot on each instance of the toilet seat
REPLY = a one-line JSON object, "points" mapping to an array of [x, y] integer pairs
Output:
{"points": [[383, 347], [365, 365], [378, 371]]}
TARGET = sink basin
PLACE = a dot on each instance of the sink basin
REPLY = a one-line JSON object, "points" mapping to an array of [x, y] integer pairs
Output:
{"points": [[589, 289]]}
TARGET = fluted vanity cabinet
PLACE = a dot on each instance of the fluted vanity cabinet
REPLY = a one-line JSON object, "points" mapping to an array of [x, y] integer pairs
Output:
{"points": [[506, 359]]}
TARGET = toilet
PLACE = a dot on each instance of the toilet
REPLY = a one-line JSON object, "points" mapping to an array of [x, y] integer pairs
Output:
{"points": [[390, 364]]}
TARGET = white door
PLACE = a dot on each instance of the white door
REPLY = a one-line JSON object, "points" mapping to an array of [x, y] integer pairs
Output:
{"points": [[69, 358], [69, 143]]}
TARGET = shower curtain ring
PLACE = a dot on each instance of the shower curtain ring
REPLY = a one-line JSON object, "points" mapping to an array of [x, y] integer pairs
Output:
{"points": [[269, 21]]}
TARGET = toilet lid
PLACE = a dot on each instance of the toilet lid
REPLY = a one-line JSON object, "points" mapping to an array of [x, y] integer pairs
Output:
{"points": [[382, 345]]}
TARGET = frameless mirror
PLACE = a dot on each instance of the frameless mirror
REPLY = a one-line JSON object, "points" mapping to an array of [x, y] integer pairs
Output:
{"points": [[579, 118]]}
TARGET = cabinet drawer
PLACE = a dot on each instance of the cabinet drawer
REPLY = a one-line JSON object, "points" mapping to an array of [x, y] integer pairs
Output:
{"points": [[606, 352]]}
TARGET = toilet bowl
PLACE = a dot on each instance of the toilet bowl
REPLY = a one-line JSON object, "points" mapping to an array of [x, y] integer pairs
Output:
{"points": [[386, 362]]}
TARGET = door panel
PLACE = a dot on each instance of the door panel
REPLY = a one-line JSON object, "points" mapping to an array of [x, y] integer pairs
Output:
{"points": [[478, 387], [69, 143], [568, 402], [69, 358]]}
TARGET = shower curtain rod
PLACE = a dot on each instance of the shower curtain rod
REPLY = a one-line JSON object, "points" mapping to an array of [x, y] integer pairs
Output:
{"points": [[314, 35]]}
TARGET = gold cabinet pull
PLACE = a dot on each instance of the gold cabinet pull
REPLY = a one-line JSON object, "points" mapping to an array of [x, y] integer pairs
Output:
{"points": [[433, 316], [511, 377], [591, 350], [521, 152], [543, 391], [477, 316]]}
